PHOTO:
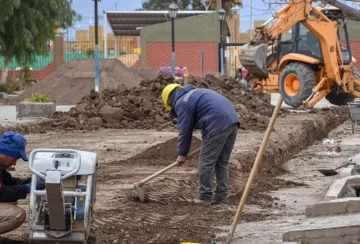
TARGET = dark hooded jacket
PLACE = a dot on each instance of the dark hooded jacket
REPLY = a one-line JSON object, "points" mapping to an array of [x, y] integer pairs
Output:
{"points": [[12, 188], [202, 109]]}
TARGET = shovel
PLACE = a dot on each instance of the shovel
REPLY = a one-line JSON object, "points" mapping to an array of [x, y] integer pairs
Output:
{"points": [[331, 172], [138, 186]]}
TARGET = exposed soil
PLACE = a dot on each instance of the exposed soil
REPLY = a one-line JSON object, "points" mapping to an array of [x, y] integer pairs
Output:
{"points": [[9, 241], [76, 79], [146, 73], [29, 128], [163, 154], [170, 217], [142, 108]]}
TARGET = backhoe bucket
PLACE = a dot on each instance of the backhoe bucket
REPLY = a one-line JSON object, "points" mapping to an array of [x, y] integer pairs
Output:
{"points": [[253, 58]]}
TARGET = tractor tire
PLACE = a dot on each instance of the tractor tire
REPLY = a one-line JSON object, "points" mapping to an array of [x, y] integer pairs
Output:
{"points": [[296, 82], [341, 99]]}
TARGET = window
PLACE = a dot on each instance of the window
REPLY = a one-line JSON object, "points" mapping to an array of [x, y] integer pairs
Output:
{"points": [[342, 40], [287, 43], [308, 43]]}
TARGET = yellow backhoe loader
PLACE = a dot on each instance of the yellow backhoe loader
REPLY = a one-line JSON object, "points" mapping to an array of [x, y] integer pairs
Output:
{"points": [[305, 55]]}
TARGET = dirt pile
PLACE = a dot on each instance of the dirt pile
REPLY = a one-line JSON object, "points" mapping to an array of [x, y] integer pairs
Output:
{"points": [[142, 108], [137, 107], [75, 79], [254, 109], [146, 73], [164, 154]]}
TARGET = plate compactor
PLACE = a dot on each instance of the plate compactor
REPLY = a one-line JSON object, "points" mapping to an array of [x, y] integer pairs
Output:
{"points": [[62, 212]]}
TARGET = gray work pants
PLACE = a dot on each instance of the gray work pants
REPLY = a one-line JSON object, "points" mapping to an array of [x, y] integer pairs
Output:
{"points": [[11, 217], [215, 154]]}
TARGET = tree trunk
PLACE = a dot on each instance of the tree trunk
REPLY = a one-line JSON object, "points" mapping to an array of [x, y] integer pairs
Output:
{"points": [[5, 70]]}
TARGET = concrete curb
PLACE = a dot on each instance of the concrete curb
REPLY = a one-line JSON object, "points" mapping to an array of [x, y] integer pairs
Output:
{"points": [[334, 207], [35, 110], [329, 230], [340, 186]]}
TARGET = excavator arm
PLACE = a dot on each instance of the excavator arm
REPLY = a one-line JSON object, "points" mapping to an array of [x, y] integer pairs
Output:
{"points": [[253, 56]]}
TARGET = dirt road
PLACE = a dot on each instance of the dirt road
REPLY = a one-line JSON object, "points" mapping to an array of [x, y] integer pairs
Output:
{"points": [[127, 156]]}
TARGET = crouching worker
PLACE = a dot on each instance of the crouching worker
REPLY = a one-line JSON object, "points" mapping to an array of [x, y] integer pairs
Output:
{"points": [[12, 148], [214, 114]]}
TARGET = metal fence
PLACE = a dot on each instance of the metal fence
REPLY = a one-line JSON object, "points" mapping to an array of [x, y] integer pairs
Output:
{"points": [[37, 62], [123, 48]]}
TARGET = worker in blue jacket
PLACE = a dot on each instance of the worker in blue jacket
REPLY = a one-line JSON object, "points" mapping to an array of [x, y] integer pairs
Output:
{"points": [[214, 114], [12, 148]]}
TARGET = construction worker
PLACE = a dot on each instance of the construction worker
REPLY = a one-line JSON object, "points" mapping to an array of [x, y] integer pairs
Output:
{"points": [[214, 114], [12, 148]]}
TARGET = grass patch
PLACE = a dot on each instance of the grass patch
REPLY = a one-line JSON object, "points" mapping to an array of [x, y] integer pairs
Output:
{"points": [[37, 98]]}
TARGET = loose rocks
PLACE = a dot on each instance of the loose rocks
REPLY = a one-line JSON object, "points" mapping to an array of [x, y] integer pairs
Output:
{"points": [[142, 108]]}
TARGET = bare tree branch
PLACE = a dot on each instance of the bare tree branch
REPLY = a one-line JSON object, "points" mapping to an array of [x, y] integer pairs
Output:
{"points": [[348, 11]]}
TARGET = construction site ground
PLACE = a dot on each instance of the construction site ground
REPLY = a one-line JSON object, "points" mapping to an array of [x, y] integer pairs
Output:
{"points": [[287, 181]]}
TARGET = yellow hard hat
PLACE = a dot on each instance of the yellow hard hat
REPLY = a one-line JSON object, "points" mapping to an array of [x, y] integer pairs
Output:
{"points": [[166, 93]]}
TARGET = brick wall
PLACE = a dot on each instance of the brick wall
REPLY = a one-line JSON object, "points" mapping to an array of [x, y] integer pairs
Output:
{"points": [[187, 54], [48, 70], [355, 49]]}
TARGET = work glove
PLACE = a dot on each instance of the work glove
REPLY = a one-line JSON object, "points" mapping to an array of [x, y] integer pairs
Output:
{"points": [[40, 185]]}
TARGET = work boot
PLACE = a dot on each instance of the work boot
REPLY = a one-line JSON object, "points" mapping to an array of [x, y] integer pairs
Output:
{"points": [[218, 201], [199, 201]]}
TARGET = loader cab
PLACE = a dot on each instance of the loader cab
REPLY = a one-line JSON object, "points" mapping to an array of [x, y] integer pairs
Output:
{"points": [[299, 39]]}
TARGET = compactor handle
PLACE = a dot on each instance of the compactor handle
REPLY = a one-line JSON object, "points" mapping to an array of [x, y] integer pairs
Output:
{"points": [[42, 150]]}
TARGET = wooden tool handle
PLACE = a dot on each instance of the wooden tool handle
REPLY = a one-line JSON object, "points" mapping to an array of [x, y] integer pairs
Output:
{"points": [[255, 168], [156, 174], [344, 165], [341, 166]]}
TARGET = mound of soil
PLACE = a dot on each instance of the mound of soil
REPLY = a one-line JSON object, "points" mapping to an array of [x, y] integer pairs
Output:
{"points": [[164, 154], [142, 108], [76, 79], [146, 73]]}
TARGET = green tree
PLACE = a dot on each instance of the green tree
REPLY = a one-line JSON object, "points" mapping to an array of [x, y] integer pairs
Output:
{"points": [[197, 5], [164, 4], [7, 10], [227, 5], [186, 4], [29, 28]]}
